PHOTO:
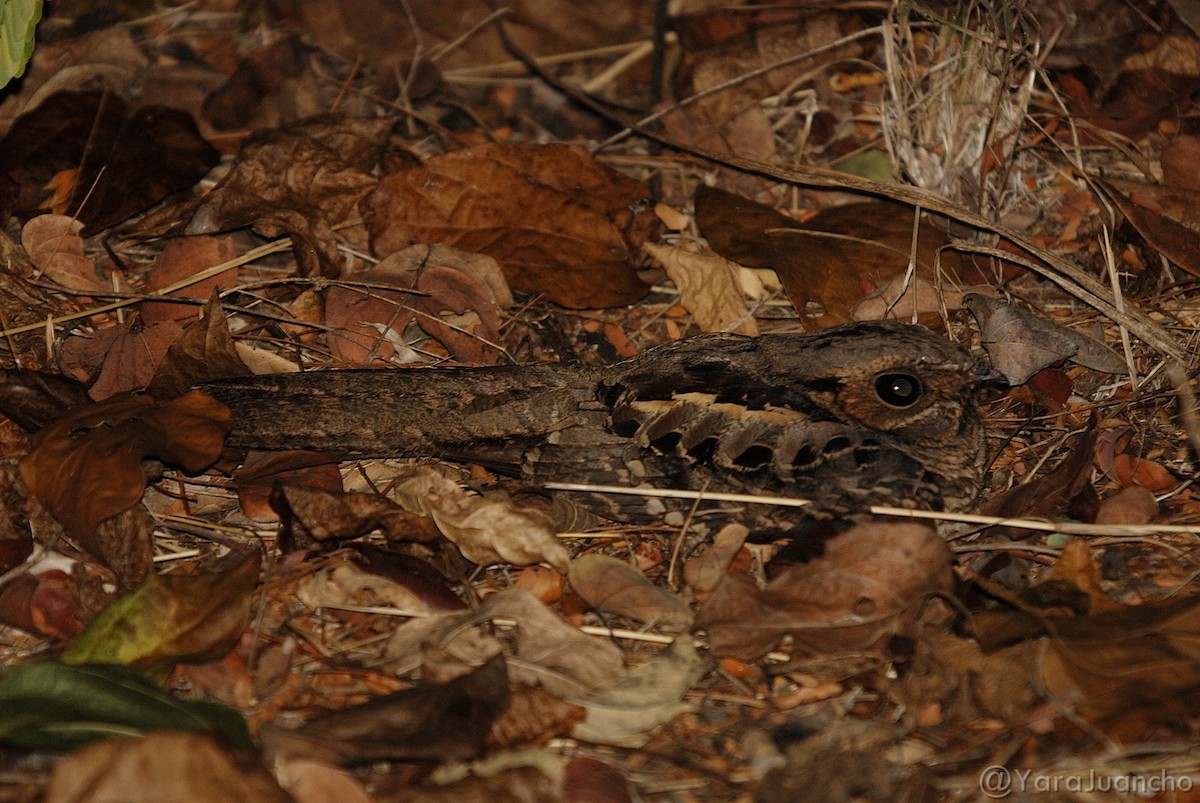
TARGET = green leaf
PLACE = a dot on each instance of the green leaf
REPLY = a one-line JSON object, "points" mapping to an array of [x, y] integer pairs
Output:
{"points": [[18, 18], [170, 619], [48, 705]]}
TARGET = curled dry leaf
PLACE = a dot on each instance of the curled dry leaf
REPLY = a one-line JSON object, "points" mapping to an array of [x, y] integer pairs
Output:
{"points": [[55, 245], [559, 223], [643, 699], [866, 588], [298, 180], [614, 586], [310, 514], [547, 651], [486, 530], [346, 584], [709, 287], [1020, 343], [87, 466], [453, 296]]}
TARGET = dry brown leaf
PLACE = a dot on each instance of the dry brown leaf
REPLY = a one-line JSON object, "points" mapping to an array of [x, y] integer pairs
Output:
{"points": [[709, 287], [900, 300], [45, 604], [181, 258], [55, 245], [832, 259], [1075, 566], [87, 466], [1149, 474], [534, 716], [452, 296], [205, 351], [488, 531], [559, 223], [118, 360], [547, 651], [1020, 343], [438, 722], [614, 586], [310, 514], [1142, 659], [703, 572], [1066, 489], [1166, 217], [299, 180], [346, 584], [866, 588], [161, 765], [1133, 505]]}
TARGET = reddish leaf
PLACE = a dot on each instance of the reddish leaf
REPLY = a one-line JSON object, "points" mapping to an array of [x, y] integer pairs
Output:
{"points": [[87, 467], [558, 222], [181, 258], [117, 360], [46, 604], [204, 352]]}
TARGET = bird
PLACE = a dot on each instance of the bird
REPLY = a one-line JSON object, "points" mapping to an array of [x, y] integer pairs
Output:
{"points": [[847, 417]]}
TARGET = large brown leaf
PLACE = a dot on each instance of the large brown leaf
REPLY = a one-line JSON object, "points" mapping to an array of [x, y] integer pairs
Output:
{"points": [[87, 466], [558, 222], [864, 589], [299, 180], [833, 259]]}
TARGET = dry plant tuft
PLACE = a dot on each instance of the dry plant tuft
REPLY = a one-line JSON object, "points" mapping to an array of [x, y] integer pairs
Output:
{"points": [[958, 90]]}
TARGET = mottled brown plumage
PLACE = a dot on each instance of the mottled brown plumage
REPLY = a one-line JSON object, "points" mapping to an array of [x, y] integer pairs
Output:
{"points": [[851, 416]]}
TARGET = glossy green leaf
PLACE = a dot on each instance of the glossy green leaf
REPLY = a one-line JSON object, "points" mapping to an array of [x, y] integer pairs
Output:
{"points": [[48, 705], [18, 18]]}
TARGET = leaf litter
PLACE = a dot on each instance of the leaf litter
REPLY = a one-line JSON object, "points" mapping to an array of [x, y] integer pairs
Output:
{"points": [[421, 632]]}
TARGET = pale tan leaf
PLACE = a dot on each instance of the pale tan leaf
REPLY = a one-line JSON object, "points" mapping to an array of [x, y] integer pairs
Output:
{"points": [[486, 530], [709, 287]]}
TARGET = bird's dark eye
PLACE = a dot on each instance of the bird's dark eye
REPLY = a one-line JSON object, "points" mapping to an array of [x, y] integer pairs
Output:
{"points": [[898, 390]]}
